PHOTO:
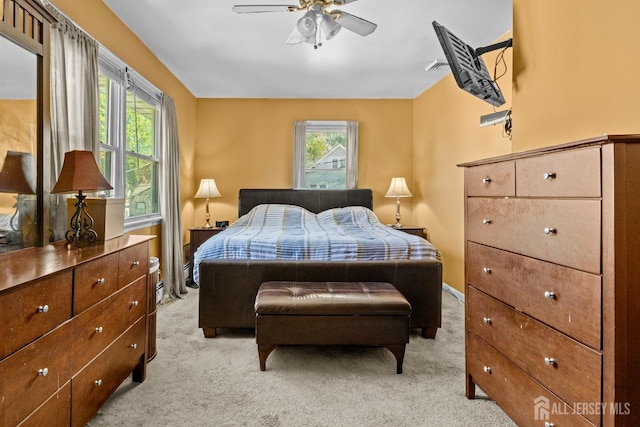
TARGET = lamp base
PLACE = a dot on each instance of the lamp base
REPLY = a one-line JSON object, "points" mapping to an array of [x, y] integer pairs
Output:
{"points": [[81, 223]]}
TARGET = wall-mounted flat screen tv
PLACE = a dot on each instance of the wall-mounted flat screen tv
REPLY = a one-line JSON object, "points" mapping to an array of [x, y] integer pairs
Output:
{"points": [[467, 66]]}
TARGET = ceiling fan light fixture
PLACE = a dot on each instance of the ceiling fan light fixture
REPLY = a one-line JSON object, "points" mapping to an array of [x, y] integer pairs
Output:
{"points": [[307, 24], [329, 26]]}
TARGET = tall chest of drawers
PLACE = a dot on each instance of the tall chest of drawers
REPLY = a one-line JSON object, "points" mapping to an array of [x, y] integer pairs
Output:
{"points": [[552, 274], [73, 326]]}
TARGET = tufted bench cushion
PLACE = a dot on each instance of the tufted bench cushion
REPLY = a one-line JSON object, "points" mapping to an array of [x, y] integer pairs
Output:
{"points": [[331, 313]]}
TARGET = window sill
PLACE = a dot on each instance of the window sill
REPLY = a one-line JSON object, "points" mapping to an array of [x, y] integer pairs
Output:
{"points": [[137, 223]]}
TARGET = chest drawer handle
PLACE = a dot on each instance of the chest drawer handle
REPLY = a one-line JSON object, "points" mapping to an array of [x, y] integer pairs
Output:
{"points": [[486, 221], [487, 369], [43, 308], [100, 281], [136, 263], [549, 295], [549, 175], [486, 320], [98, 383], [134, 303], [548, 424], [549, 361], [486, 270], [43, 372], [549, 230], [134, 346], [99, 330], [486, 180]]}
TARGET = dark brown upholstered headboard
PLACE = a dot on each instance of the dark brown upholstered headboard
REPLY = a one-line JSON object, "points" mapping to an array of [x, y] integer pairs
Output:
{"points": [[312, 200]]}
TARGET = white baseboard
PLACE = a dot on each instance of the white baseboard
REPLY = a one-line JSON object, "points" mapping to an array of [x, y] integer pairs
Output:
{"points": [[453, 291]]}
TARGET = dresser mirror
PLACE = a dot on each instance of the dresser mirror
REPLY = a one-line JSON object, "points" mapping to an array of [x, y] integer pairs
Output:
{"points": [[18, 147]]}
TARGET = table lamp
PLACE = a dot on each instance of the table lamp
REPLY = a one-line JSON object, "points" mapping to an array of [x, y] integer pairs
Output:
{"points": [[80, 173], [206, 190], [18, 177], [397, 189]]}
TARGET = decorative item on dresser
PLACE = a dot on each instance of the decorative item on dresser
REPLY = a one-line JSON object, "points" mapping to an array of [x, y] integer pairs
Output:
{"points": [[552, 295], [74, 325]]}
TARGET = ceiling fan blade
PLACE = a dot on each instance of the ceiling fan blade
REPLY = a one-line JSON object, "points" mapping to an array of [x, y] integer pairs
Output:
{"points": [[354, 23], [254, 8]]}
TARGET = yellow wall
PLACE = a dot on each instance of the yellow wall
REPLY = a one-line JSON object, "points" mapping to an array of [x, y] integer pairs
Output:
{"points": [[575, 70], [99, 21], [447, 132], [248, 143]]}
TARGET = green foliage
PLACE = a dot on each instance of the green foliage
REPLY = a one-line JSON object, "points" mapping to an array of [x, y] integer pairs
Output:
{"points": [[320, 143]]}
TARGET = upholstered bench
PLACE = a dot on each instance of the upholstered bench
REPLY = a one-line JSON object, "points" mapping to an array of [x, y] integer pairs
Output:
{"points": [[331, 313]]}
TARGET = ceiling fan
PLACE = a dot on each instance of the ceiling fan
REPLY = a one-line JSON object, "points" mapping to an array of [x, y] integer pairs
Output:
{"points": [[317, 22]]}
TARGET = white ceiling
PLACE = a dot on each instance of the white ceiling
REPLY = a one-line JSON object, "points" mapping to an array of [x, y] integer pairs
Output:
{"points": [[218, 53]]}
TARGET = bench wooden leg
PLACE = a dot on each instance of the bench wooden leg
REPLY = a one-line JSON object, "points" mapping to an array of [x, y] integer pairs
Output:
{"points": [[429, 332], [264, 350], [209, 332], [398, 352]]}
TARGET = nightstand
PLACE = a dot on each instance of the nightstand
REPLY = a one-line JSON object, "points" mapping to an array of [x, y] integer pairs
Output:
{"points": [[198, 236], [413, 229]]}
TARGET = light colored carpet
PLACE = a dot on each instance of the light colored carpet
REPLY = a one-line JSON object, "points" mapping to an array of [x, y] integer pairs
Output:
{"points": [[195, 381]]}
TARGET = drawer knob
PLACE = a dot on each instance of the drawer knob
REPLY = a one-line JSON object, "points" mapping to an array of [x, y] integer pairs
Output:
{"points": [[136, 263], [134, 303], [548, 424], [549, 175], [487, 369], [486, 270], [486, 221], [99, 330], [101, 281], [486, 180], [549, 230], [486, 320], [550, 295], [134, 346], [98, 383], [43, 372], [550, 361], [43, 308]]}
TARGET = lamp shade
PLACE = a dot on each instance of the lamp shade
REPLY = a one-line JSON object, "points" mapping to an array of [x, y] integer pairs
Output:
{"points": [[398, 188], [18, 173], [207, 189], [80, 172]]}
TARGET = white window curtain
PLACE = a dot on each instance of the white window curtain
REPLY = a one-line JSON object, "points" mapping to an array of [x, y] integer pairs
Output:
{"points": [[352, 154], [172, 262], [300, 147], [74, 102], [300, 138]]}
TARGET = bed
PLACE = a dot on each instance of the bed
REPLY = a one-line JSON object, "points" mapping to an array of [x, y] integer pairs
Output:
{"points": [[229, 276]]}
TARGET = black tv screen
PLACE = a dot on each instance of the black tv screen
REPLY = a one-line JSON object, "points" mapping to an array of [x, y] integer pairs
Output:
{"points": [[467, 67]]}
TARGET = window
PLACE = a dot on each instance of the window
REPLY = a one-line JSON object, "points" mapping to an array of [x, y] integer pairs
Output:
{"points": [[129, 149], [326, 154]]}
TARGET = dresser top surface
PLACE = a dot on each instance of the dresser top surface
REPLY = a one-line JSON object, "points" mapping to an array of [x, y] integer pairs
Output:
{"points": [[26, 265], [590, 142]]}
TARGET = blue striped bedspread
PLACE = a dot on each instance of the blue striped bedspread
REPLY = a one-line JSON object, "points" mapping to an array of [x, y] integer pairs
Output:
{"points": [[287, 232]]}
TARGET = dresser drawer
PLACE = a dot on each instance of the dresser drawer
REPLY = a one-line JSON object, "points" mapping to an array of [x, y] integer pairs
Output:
{"points": [[94, 281], [55, 412], [523, 398], [574, 173], [30, 311], [133, 263], [563, 298], [495, 179], [31, 375], [566, 232], [97, 381], [575, 370], [98, 326]]}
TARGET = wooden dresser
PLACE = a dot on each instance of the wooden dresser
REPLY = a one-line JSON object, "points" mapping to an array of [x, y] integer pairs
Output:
{"points": [[73, 327], [552, 291]]}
